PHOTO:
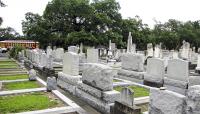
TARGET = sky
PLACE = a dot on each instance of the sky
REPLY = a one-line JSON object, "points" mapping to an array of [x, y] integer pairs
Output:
{"points": [[148, 10]]}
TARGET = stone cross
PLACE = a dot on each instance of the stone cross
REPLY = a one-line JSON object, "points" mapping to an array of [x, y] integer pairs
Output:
{"points": [[127, 96]]}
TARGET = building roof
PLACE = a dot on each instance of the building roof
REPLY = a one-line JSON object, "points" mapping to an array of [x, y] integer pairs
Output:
{"points": [[19, 41]]}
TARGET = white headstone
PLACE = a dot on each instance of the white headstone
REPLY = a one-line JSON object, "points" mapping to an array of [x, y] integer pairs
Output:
{"points": [[71, 64], [133, 62], [92, 56], [59, 53], [178, 70], [49, 51], [73, 49], [155, 70], [149, 50]]}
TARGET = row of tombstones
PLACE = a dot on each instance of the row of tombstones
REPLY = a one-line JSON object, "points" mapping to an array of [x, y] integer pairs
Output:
{"points": [[175, 75]]}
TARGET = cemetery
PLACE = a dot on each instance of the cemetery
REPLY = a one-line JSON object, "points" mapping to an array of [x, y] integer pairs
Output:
{"points": [[132, 81], [85, 57]]}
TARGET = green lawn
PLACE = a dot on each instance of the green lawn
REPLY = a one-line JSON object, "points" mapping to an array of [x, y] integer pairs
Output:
{"points": [[138, 91], [116, 80], [14, 77], [26, 102], [9, 66], [21, 85], [7, 62]]}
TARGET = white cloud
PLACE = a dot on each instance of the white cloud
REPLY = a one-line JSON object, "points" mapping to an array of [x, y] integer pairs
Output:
{"points": [[161, 10]]}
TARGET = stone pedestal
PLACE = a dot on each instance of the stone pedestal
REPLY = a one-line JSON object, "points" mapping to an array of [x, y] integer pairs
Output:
{"points": [[68, 82], [97, 87], [131, 75], [122, 108]]}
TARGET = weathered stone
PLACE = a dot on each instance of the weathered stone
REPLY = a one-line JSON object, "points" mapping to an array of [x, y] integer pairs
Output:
{"points": [[49, 51], [73, 80], [133, 62], [155, 70], [127, 96], [166, 102], [129, 44], [193, 100], [73, 49], [178, 70], [32, 75], [99, 76], [122, 108], [71, 64], [176, 83], [133, 74], [51, 83], [90, 90], [111, 96], [194, 80], [59, 52], [92, 56], [149, 50], [99, 104]]}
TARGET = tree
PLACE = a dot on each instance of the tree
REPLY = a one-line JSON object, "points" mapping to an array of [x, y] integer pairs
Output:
{"points": [[8, 34]]}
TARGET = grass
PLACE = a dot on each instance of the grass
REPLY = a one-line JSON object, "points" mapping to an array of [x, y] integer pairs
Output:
{"points": [[116, 80], [14, 77], [7, 62], [138, 91], [21, 85], [26, 102], [9, 66]]}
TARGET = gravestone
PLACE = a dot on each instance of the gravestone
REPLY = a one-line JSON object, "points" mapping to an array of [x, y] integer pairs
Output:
{"points": [[126, 105], [50, 62], [157, 51], [132, 67], [166, 102], [198, 64], [96, 87], [73, 49], [98, 76], [71, 64], [177, 77], [51, 83], [155, 71], [193, 100], [69, 77], [149, 50], [133, 62], [127, 96], [32, 75], [92, 56], [59, 54], [129, 43], [185, 50], [49, 51], [81, 48]]}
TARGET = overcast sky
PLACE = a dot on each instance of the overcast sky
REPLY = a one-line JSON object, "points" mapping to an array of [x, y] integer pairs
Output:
{"points": [[148, 10]]}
